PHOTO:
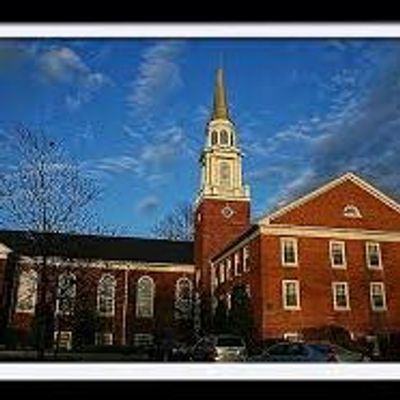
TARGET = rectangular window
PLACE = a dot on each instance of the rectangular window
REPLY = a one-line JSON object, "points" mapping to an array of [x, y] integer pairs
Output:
{"points": [[341, 296], [236, 263], [378, 297], [338, 254], [222, 272], [289, 252], [27, 292], [246, 258], [373, 253], [291, 294], [143, 339], [104, 339], [64, 340], [228, 269]]}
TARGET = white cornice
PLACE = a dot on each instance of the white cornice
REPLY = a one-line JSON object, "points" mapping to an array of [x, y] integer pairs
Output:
{"points": [[328, 232], [349, 176]]}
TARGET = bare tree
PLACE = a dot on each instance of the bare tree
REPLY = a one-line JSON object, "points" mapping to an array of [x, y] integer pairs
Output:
{"points": [[176, 225], [43, 192]]}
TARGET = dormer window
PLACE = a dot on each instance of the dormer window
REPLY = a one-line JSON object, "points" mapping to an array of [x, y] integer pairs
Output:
{"points": [[351, 211], [224, 137]]}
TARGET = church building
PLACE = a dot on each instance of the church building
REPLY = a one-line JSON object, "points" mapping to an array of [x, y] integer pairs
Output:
{"points": [[329, 258]]}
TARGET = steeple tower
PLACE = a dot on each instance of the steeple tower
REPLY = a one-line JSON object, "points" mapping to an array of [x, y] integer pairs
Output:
{"points": [[222, 208]]}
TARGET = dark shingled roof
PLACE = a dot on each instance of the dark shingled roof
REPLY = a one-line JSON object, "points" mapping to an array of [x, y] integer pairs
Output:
{"points": [[99, 247]]}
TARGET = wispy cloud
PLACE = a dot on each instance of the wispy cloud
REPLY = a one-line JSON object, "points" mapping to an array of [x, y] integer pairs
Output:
{"points": [[148, 205], [159, 74], [62, 65]]}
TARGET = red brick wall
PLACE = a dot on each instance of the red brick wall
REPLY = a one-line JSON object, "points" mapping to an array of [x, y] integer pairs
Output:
{"points": [[316, 276], [327, 210], [87, 281], [212, 232]]}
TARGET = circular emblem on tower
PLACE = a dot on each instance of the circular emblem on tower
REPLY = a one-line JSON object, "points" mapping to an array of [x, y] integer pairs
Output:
{"points": [[227, 212]]}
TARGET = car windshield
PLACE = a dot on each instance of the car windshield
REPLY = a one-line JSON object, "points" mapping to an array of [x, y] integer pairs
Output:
{"points": [[229, 341]]}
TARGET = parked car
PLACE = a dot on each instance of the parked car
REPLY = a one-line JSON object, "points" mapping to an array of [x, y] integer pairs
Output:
{"points": [[219, 348], [292, 352], [340, 353]]}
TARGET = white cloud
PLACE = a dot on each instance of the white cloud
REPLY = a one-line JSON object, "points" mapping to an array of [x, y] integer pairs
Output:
{"points": [[159, 74], [62, 65], [148, 205]]}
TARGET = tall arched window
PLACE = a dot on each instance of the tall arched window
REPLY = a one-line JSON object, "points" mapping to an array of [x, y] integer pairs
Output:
{"points": [[183, 298], [145, 297], [66, 293], [214, 138], [27, 291], [225, 173], [106, 295], [224, 137]]}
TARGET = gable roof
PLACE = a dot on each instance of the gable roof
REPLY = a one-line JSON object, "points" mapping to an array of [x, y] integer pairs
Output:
{"points": [[98, 247], [349, 176]]}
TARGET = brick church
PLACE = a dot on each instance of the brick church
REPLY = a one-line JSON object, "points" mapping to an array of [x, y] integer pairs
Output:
{"points": [[329, 258]]}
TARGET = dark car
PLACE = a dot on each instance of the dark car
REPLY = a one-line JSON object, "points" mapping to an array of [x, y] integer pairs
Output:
{"points": [[219, 348], [340, 353], [292, 352]]}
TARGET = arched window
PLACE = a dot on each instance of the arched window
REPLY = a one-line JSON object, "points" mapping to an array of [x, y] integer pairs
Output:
{"points": [[351, 211], [214, 138], [145, 297], [224, 137], [106, 295], [225, 174], [232, 139], [27, 291], [66, 293], [183, 298]]}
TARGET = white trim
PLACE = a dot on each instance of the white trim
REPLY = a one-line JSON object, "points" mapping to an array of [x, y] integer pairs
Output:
{"points": [[292, 336], [228, 269], [178, 298], [297, 285], [349, 209], [342, 245], [58, 311], [238, 246], [367, 255], [330, 185], [245, 258], [383, 292], [114, 283], [330, 233], [336, 307], [32, 275], [292, 240], [222, 271], [63, 333], [236, 263], [152, 288]]}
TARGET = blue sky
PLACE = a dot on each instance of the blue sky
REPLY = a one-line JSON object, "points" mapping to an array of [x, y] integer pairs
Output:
{"points": [[133, 113]]}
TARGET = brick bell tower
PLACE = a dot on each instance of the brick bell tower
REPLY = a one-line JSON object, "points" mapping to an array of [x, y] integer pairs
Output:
{"points": [[222, 207]]}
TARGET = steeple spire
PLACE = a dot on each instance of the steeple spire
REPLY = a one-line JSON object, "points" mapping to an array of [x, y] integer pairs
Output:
{"points": [[220, 109]]}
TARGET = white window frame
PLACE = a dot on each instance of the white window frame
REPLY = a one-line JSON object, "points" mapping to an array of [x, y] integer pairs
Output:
{"points": [[69, 340], [336, 307], [236, 262], [246, 258], [222, 272], [32, 275], [367, 244], [382, 286], [178, 298], [100, 339], [137, 314], [58, 311], [112, 312], [343, 248], [295, 246], [292, 336], [297, 285], [228, 267]]}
